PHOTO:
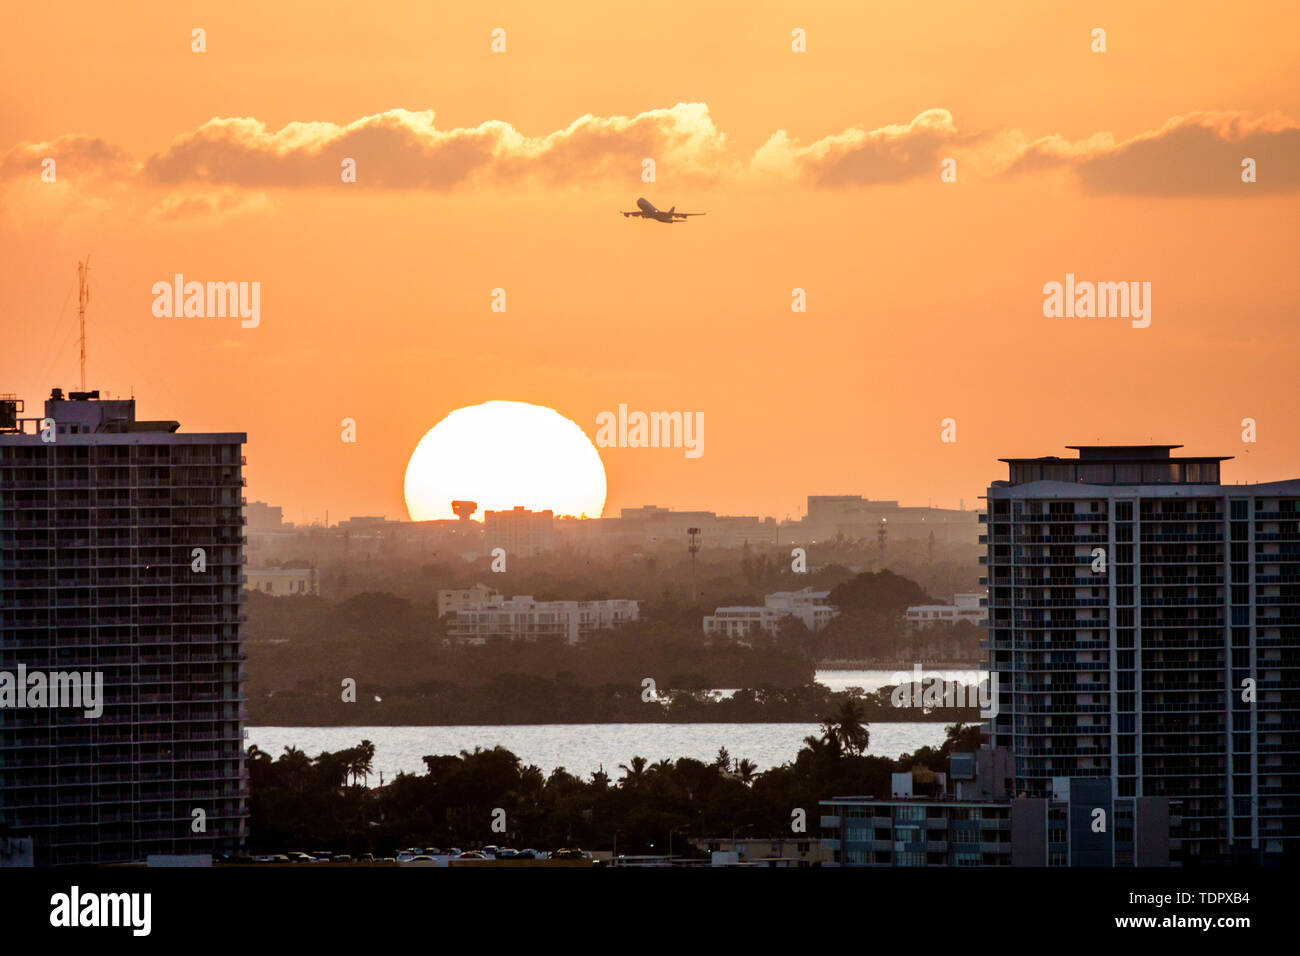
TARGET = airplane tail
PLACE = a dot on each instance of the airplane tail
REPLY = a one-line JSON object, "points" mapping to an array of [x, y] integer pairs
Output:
{"points": [[673, 210]]}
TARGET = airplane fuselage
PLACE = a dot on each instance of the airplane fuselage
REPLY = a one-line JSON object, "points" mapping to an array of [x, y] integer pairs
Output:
{"points": [[648, 211]]}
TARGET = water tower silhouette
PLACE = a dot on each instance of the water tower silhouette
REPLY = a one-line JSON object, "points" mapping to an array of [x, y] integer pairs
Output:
{"points": [[464, 509]]}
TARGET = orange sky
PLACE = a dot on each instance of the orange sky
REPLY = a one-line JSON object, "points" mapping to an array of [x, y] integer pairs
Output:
{"points": [[819, 170]]}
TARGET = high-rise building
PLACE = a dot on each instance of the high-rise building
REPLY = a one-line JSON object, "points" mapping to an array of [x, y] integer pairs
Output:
{"points": [[121, 561], [522, 533], [1144, 624]]}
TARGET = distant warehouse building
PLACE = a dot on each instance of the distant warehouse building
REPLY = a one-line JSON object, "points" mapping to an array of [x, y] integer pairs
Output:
{"points": [[522, 618], [279, 582]]}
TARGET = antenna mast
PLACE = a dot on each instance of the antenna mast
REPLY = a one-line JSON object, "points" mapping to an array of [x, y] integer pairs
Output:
{"points": [[83, 296]]}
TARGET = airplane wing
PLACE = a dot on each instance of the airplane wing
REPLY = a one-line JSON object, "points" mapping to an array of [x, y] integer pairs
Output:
{"points": [[683, 215], [636, 213]]}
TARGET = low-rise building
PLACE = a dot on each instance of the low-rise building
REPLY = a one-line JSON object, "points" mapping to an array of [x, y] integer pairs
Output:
{"points": [[806, 605], [522, 618], [799, 850], [453, 600], [279, 582], [978, 822], [964, 607]]}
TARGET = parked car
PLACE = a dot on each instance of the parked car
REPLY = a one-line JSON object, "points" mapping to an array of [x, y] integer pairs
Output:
{"points": [[529, 854], [473, 855], [341, 858], [569, 853], [366, 858], [507, 853], [406, 856]]}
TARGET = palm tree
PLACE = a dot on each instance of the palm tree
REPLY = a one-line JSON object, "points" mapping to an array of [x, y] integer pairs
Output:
{"points": [[634, 774], [360, 761], [820, 747], [846, 728], [747, 770]]}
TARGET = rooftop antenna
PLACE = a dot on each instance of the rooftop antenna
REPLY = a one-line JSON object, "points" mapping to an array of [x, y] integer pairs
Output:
{"points": [[83, 296]]}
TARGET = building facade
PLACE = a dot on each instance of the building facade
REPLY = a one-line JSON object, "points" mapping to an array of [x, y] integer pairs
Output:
{"points": [[452, 600], [282, 582], [1144, 621], [856, 518], [969, 817], [964, 607], [522, 618], [805, 605], [121, 558], [522, 533]]}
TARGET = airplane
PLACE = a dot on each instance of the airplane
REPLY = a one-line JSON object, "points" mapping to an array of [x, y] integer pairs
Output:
{"points": [[646, 210]]}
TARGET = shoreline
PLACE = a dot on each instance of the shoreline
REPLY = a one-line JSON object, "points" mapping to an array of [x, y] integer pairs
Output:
{"points": [[930, 718], [872, 664]]}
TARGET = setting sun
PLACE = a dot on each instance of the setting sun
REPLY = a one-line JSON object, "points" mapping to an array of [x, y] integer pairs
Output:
{"points": [[504, 454]]}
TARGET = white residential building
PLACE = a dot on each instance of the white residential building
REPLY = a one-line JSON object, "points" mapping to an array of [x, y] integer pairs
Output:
{"points": [[452, 600], [522, 618], [965, 607], [807, 605]]}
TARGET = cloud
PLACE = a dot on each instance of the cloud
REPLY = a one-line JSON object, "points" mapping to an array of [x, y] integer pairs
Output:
{"points": [[400, 149], [76, 157], [863, 157], [1199, 154], [208, 205], [227, 165]]}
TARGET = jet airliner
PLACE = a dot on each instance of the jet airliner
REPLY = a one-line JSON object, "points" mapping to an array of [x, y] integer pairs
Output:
{"points": [[646, 210]]}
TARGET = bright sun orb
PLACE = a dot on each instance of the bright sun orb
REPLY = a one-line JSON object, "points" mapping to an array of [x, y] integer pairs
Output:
{"points": [[503, 454]]}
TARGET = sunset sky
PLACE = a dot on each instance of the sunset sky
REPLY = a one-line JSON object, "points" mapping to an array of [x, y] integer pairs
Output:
{"points": [[818, 170]]}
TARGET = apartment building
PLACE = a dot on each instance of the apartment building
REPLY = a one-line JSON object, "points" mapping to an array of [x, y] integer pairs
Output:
{"points": [[121, 556], [522, 533], [969, 817], [805, 605], [1144, 622], [964, 607], [453, 600], [522, 618]]}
